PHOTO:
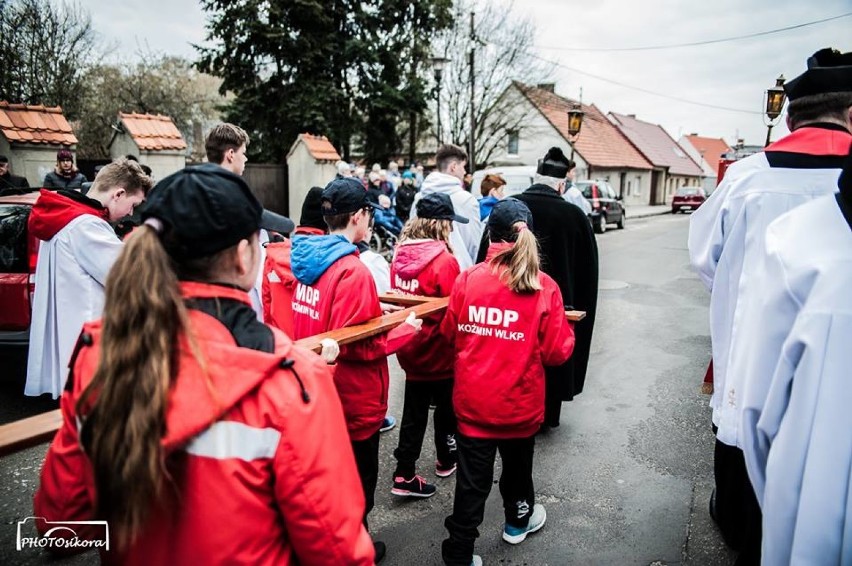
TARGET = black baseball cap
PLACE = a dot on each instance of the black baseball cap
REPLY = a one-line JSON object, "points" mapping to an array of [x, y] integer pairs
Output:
{"points": [[206, 209], [344, 195], [504, 216], [438, 206]]}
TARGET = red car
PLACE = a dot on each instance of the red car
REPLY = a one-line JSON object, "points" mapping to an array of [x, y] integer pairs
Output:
{"points": [[18, 253], [688, 198]]}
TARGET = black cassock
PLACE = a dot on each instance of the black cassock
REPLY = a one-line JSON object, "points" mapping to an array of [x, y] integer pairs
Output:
{"points": [[569, 254]]}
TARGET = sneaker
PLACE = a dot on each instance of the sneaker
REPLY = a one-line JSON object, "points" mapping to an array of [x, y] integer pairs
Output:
{"points": [[415, 487], [388, 423], [517, 535], [380, 550], [443, 471], [476, 561]]}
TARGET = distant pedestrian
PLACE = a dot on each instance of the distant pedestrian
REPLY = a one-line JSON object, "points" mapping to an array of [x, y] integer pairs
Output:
{"points": [[492, 190], [65, 174], [506, 322], [77, 251], [572, 194], [10, 184], [405, 195]]}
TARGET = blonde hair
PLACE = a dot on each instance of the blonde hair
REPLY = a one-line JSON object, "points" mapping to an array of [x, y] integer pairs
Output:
{"points": [[520, 264], [428, 229], [124, 173]]}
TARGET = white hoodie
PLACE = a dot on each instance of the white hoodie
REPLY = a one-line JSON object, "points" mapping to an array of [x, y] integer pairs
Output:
{"points": [[465, 238]]}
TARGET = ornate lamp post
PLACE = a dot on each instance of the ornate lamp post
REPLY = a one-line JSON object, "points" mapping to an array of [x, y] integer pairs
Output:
{"points": [[775, 98], [575, 122], [438, 65]]}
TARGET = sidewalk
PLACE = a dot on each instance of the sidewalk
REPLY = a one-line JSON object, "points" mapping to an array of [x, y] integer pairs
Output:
{"points": [[644, 211]]}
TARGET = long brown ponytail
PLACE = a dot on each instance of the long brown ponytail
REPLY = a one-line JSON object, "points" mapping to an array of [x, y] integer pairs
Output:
{"points": [[521, 261], [127, 398]]}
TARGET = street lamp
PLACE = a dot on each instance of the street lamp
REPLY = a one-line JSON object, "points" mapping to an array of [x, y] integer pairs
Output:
{"points": [[575, 122], [438, 65], [775, 98]]}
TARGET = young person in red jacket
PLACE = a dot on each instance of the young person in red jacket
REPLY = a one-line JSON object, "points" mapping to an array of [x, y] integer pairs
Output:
{"points": [[507, 321], [334, 289], [199, 434], [279, 284], [424, 265]]}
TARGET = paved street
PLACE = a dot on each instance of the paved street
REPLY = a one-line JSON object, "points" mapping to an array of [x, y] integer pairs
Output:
{"points": [[626, 477]]}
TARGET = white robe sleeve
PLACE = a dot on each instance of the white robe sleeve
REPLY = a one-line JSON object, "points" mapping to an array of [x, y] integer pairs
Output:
{"points": [[707, 233], [96, 247], [765, 324]]}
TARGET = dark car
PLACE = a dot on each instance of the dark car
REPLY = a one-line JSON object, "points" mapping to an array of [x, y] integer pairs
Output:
{"points": [[688, 198], [18, 253], [607, 207]]}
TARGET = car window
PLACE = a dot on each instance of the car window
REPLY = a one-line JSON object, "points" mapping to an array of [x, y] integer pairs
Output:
{"points": [[586, 189], [13, 238], [609, 192], [688, 191]]}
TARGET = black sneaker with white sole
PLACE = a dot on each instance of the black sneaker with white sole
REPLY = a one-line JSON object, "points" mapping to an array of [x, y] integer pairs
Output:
{"points": [[415, 487]]}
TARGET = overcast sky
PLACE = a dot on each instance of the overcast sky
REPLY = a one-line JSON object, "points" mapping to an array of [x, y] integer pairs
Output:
{"points": [[733, 74]]}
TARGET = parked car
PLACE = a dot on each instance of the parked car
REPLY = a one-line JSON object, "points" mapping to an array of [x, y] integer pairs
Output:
{"points": [[18, 253], [518, 178], [688, 198], [607, 207]]}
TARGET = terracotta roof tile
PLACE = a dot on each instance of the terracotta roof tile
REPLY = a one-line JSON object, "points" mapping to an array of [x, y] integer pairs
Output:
{"points": [[656, 145], [320, 148], [35, 124], [711, 149], [152, 132], [599, 142]]}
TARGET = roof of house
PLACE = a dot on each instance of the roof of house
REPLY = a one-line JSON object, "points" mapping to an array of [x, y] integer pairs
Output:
{"points": [[599, 142], [656, 145], [22, 123], [711, 149], [152, 132], [318, 146]]}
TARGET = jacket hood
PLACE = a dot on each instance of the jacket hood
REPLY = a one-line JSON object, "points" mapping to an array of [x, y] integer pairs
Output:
{"points": [[437, 182], [496, 248], [55, 209], [313, 255], [413, 256], [233, 372]]}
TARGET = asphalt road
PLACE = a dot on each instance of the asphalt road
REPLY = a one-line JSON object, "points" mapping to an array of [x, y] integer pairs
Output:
{"points": [[625, 478]]}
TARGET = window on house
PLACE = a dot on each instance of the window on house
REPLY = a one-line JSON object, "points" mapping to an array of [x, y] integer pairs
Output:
{"points": [[513, 142], [628, 188], [638, 185]]}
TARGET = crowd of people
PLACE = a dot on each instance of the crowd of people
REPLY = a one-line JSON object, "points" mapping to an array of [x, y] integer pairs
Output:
{"points": [[187, 403]]}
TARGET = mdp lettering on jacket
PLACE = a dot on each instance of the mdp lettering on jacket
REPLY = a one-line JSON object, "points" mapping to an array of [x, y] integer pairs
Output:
{"points": [[305, 300], [492, 322], [407, 285]]}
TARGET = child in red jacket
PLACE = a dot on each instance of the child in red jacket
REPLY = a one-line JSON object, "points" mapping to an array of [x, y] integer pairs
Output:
{"points": [[334, 289], [506, 321], [424, 265]]}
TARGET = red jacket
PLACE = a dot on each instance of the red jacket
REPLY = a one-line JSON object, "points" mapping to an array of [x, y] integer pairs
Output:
{"points": [[426, 268], [345, 295], [502, 342], [279, 282], [254, 466]]}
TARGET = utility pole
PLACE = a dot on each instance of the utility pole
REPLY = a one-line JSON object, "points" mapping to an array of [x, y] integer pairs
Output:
{"points": [[471, 156]]}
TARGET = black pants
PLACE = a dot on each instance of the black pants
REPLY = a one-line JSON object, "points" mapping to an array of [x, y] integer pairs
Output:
{"points": [[737, 511], [367, 460], [473, 484], [415, 417]]}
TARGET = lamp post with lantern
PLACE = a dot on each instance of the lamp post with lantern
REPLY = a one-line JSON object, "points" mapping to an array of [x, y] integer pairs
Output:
{"points": [[775, 98], [438, 65], [575, 122]]}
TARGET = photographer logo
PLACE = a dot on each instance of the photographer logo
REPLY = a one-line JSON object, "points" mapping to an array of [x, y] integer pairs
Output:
{"points": [[63, 534]]}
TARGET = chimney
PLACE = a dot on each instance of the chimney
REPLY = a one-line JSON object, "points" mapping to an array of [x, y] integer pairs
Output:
{"points": [[694, 134], [632, 116], [546, 86]]}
